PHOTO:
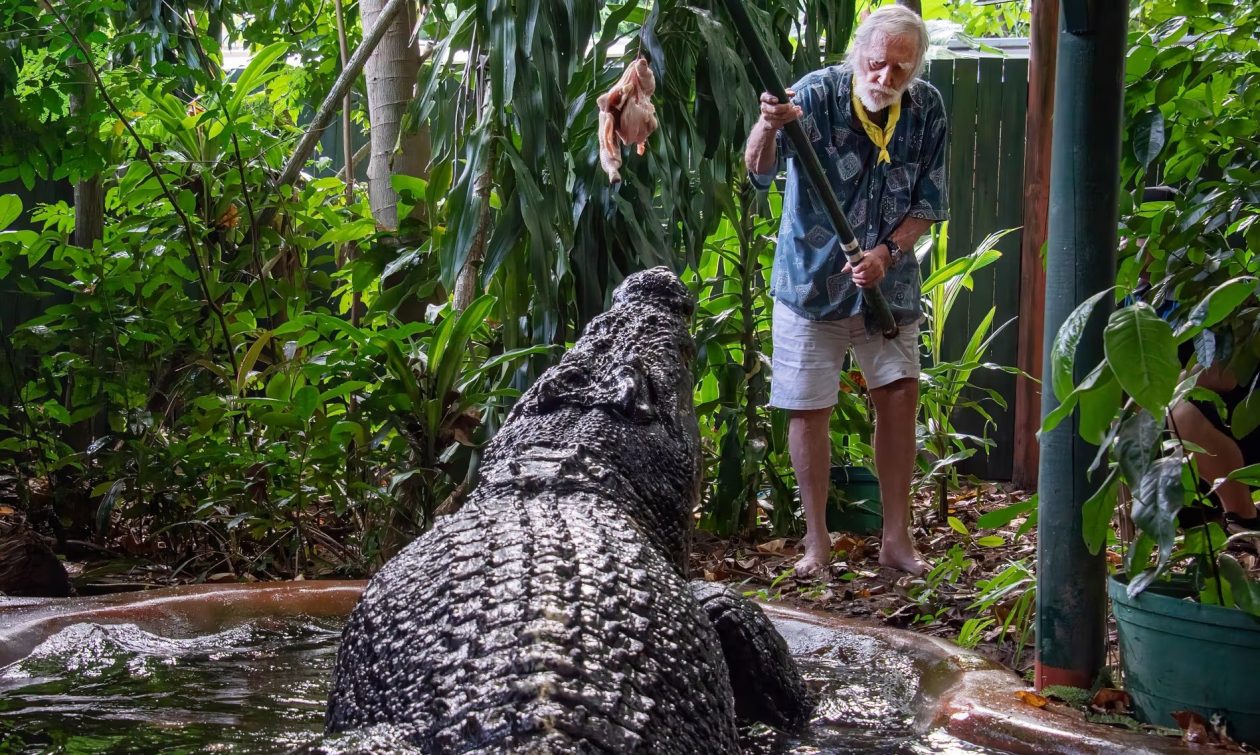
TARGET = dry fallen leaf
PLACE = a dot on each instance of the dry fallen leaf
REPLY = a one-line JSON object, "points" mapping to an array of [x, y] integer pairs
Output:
{"points": [[1193, 725], [1108, 700], [1032, 698], [773, 546]]}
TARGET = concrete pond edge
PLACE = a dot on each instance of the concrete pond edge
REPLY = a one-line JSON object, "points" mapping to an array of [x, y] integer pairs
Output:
{"points": [[963, 694]]}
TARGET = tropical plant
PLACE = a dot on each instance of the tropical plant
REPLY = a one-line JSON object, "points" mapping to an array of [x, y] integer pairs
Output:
{"points": [[945, 384]]}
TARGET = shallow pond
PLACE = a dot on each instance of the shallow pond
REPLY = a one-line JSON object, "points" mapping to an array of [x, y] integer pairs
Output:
{"points": [[261, 686]]}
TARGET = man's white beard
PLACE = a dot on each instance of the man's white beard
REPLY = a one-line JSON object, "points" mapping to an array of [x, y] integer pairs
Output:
{"points": [[875, 97]]}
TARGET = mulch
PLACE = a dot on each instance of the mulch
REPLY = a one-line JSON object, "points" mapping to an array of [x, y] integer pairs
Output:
{"points": [[938, 603]]}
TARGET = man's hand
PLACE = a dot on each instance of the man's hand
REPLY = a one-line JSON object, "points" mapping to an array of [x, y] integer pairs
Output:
{"points": [[871, 270], [759, 154], [775, 114]]}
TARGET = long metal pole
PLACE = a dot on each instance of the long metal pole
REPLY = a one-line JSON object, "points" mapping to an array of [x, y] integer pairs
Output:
{"points": [[808, 159], [1081, 244]]}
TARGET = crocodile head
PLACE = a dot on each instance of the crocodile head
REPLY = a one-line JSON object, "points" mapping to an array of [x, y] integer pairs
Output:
{"points": [[616, 414]]}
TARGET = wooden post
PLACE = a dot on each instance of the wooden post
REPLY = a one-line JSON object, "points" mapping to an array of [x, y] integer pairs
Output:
{"points": [[1043, 43]]}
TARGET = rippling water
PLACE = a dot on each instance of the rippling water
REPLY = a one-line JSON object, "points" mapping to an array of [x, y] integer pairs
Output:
{"points": [[261, 688]]}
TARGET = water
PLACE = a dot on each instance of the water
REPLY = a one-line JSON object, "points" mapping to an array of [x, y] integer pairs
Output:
{"points": [[261, 688]]}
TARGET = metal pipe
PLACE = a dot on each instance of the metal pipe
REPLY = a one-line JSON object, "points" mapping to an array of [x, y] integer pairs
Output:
{"points": [[1081, 259]]}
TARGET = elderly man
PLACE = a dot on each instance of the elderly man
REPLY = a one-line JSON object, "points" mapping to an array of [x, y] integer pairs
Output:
{"points": [[880, 133]]}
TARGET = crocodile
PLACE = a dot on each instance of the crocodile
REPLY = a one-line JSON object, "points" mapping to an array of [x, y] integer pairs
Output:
{"points": [[551, 613]]}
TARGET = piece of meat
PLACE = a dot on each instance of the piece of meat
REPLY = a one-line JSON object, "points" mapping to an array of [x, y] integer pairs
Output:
{"points": [[626, 112]]}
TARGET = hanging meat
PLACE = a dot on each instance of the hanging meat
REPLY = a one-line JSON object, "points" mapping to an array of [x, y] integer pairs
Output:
{"points": [[626, 112]]}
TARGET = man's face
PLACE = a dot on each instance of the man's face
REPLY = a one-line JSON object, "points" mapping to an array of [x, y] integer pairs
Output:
{"points": [[884, 70]]}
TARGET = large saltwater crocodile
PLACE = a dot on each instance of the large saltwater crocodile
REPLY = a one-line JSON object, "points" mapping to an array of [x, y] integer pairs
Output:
{"points": [[551, 614]]}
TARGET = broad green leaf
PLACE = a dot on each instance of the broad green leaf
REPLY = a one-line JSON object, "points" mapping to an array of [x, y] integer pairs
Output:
{"points": [[278, 387], [346, 430], [251, 358], [1063, 351], [991, 541], [255, 75], [1246, 416], [1139, 345], [1219, 303], [1136, 445], [342, 389], [1148, 136], [1249, 475], [1001, 517], [1096, 514], [956, 525], [1136, 561], [10, 209], [1156, 501], [1246, 592], [1099, 406], [281, 419], [305, 401]]}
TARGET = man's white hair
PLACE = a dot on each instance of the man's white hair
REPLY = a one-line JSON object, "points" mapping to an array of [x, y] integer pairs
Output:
{"points": [[886, 22]]}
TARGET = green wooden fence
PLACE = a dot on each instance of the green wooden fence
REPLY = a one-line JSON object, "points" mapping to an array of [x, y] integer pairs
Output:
{"points": [[986, 98]]}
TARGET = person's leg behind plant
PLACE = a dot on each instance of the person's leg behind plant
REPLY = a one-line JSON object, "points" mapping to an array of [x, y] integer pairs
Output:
{"points": [[1222, 454]]}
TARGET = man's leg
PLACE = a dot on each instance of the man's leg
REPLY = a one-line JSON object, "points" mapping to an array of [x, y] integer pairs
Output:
{"points": [[808, 355], [809, 444], [896, 407]]}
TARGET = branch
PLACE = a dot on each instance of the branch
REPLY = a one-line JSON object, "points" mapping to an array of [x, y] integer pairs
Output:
{"points": [[357, 158], [332, 101]]}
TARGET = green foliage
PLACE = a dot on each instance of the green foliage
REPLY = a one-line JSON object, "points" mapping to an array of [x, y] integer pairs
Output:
{"points": [[209, 385], [929, 597], [249, 399], [945, 386], [1190, 72], [1011, 597], [1009, 19]]}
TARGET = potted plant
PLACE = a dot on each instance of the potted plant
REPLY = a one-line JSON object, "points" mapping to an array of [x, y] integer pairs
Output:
{"points": [[1188, 616]]}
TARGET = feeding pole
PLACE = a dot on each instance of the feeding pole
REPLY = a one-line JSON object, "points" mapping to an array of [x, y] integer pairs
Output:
{"points": [[1081, 261]]}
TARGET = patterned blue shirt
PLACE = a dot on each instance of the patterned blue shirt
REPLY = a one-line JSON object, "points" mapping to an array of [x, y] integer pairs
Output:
{"points": [[875, 196]]}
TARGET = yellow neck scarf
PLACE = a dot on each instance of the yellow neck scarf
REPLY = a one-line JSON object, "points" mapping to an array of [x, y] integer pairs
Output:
{"points": [[882, 137]]}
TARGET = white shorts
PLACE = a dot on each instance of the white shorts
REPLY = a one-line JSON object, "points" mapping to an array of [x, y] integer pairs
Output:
{"points": [[809, 356]]}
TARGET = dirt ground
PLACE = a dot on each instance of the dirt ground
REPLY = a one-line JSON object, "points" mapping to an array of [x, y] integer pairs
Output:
{"points": [[938, 603], [980, 593]]}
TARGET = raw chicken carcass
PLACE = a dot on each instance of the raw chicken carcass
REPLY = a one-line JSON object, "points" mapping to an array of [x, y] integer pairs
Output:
{"points": [[626, 112]]}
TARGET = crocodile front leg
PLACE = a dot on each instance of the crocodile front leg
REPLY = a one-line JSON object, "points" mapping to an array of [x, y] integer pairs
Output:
{"points": [[767, 685]]}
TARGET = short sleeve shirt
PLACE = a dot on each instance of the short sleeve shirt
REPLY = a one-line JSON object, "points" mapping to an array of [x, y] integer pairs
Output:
{"points": [[876, 197]]}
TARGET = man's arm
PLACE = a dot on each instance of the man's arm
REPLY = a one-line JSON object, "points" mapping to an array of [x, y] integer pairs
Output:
{"points": [[759, 154], [874, 266]]}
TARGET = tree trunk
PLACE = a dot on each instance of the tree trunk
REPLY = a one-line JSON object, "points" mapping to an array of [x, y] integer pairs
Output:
{"points": [[89, 197], [391, 78]]}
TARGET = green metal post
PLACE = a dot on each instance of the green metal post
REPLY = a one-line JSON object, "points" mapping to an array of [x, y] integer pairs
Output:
{"points": [[1081, 253]]}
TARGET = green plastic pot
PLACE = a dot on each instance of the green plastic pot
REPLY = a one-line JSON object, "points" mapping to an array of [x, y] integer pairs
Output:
{"points": [[1178, 654], [855, 505]]}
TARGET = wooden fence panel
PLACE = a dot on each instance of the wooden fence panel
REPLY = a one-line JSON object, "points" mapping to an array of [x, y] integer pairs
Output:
{"points": [[986, 99]]}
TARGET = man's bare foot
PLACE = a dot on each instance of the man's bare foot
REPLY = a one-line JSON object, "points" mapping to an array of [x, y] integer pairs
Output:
{"points": [[903, 557], [817, 556]]}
